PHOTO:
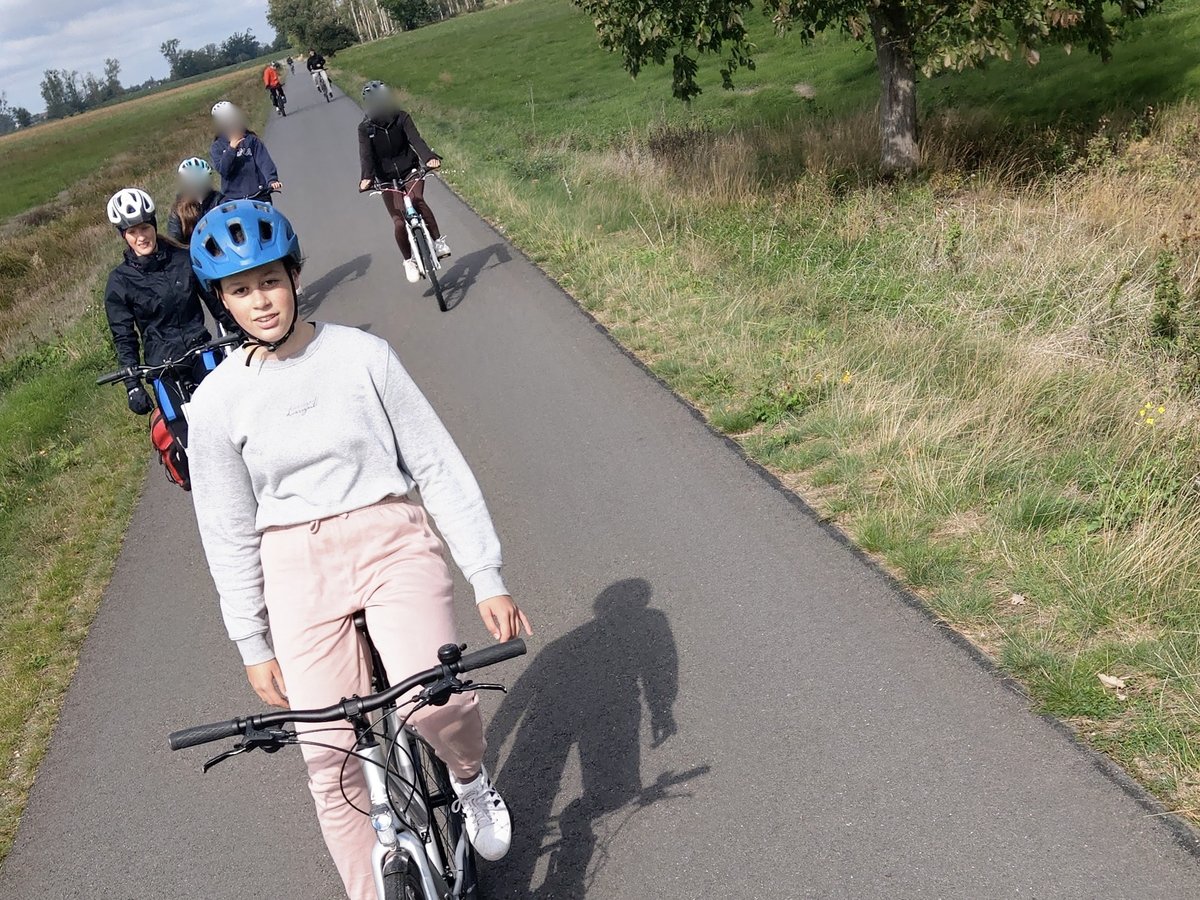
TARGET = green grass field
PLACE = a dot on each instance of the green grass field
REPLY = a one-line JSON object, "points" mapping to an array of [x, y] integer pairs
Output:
{"points": [[72, 458], [986, 375]]}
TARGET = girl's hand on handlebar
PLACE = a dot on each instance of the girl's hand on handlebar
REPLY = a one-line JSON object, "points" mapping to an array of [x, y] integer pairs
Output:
{"points": [[267, 681], [434, 163], [277, 185], [364, 185], [503, 618]]}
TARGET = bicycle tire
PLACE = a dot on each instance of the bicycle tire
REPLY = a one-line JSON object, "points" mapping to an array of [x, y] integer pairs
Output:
{"points": [[404, 885], [427, 260], [446, 825]]}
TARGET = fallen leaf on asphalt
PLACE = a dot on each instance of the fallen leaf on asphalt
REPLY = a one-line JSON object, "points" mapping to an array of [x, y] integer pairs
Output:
{"points": [[1017, 600], [1111, 681]]}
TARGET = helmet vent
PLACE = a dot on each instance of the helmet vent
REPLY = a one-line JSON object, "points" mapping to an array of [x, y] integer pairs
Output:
{"points": [[237, 233], [212, 248], [266, 231]]}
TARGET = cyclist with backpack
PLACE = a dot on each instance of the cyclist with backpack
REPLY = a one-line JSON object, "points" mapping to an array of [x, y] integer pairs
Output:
{"points": [[241, 158], [390, 147], [195, 197], [309, 445], [153, 302]]}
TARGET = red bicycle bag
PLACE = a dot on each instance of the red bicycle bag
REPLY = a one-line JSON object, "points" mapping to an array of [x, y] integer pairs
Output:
{"points": [[170, 452]]}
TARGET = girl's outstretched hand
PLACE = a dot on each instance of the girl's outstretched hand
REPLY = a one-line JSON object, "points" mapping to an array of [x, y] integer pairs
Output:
{"points": [[267, 681], [503, 618]]}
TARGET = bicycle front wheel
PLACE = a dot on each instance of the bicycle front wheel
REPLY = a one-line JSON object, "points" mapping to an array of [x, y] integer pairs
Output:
{"points": [[428, 262], [445, 825], [405, 885]]}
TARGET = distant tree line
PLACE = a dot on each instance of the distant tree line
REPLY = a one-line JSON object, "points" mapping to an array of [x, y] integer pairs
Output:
{"points": [[333, 25], [239, 47], [13, 117], [66, 92]]}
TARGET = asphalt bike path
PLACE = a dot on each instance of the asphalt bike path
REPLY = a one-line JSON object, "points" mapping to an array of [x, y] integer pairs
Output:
{"points": [[721, 699]]}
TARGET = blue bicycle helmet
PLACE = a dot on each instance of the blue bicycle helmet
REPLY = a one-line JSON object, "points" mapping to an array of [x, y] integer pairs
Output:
{"points": [[241, 235]]}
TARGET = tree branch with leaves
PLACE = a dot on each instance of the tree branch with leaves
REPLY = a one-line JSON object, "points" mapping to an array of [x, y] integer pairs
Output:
{"points": [[908, 36]]}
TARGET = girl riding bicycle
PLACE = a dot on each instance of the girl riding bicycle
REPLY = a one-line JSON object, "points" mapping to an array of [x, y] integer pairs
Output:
{"points": [[389, 148], [240, 157], [308, 446], [152, 300], [196, 196]]}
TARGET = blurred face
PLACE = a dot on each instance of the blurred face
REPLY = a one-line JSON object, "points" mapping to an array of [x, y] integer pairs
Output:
{"points": [[230, 123], [380, 104], [261, 301], [142, 239], [195, 185]]}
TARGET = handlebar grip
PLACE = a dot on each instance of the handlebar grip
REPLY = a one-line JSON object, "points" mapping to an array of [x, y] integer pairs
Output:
{"points": [[489, 656], [114, 377], [204, 734]]}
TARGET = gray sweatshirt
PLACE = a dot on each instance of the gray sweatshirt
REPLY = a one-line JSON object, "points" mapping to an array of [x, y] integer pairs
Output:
{"points": [[335, 428]]}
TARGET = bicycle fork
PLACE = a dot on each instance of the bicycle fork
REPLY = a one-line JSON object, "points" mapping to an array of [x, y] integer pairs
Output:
{"points": [[396, 846], [418, 230]]}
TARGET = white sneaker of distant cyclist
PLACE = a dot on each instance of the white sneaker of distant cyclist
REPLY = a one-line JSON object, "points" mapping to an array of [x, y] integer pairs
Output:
{"points": [[411, 272], [489, 827], [441, 248]]}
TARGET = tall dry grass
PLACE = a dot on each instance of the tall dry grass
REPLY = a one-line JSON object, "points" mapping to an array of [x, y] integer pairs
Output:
{"points": [[960, 370]]}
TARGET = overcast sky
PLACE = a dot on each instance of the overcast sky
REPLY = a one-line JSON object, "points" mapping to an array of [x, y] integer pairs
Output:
{"points": [[36, 35]]}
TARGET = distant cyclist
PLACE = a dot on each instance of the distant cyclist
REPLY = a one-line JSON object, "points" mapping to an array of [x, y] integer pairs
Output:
{"points": [[241, 158], [195, 197], [316, 65], [291, 65], [274, 86], [390, 147], [153, 302]]}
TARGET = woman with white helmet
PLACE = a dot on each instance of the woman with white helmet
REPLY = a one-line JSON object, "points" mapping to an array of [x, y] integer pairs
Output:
{"points": [[195, 197], [153, 302], [241, 158]]}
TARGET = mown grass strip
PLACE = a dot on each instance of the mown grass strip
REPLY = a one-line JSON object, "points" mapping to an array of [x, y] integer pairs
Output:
{"points": [[72, 458]]}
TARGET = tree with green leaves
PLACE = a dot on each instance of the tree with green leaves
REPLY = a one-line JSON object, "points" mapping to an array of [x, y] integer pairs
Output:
{"points": [[312, 23], [908, 36]]}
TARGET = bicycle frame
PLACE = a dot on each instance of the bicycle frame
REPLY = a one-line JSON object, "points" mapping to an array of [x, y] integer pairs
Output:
{"points": [[414, 222], [321, 81]]}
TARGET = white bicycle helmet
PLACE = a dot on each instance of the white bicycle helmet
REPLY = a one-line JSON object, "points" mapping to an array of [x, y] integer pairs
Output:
{"points": [[195, 172], [129, 207], [223, 108]]}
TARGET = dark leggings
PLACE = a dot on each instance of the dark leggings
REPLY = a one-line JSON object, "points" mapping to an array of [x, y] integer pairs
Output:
{"points": [[395, 207]]}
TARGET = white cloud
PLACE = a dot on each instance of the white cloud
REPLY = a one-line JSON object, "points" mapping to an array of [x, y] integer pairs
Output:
{"points": [[78, 34]]}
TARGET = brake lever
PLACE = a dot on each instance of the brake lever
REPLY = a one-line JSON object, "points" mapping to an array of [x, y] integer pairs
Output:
{"points": [[253, 739]]}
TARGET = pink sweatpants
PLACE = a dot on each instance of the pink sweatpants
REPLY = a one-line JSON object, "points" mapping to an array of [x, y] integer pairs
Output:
{"points": [[386, 560]]}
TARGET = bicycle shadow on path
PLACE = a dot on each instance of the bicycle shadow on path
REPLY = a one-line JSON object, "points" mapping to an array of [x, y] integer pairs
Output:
{"points": [[584, 690], [314, 294], [461, 276]]}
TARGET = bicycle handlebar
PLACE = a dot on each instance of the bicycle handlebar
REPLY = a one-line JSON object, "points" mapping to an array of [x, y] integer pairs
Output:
{"points": [[395, 184], [355, 706], [140, 372]]}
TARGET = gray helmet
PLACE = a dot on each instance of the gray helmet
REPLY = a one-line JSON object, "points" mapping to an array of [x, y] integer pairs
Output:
{"points": [[374, 89]]}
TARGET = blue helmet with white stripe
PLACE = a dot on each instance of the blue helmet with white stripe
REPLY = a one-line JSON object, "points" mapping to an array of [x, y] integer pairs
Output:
{"points": [[239, 236]]}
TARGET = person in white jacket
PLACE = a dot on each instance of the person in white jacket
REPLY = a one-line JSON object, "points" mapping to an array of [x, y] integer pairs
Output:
{"points": [[307, 445]]}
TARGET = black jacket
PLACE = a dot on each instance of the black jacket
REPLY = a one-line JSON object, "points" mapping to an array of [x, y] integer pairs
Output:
{"points": [[155, 302], [391, 149], [316, 61]]}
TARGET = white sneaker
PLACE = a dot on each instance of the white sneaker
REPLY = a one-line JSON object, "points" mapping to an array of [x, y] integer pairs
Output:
{"points": [[411, 272], [441, 248], [489, 827]]}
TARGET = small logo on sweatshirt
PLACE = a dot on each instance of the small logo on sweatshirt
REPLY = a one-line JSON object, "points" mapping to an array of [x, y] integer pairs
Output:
{"points": [[302, 409]]}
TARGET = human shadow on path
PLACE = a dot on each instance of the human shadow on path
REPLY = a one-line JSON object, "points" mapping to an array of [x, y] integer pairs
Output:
{"points": [[314, 294], [584, 690], [461, 276]]}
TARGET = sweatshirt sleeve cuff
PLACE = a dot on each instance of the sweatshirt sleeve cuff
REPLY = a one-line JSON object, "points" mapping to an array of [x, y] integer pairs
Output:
{"points": [[255, 649], [488, 584]]}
